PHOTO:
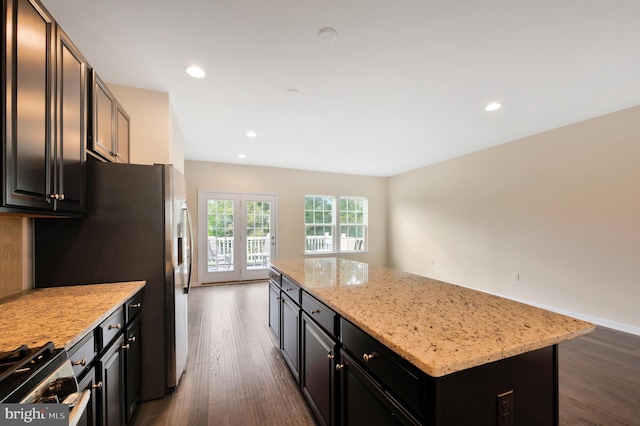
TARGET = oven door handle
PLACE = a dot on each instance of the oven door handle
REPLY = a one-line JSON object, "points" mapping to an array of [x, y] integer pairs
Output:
{"points": [[79, 409]]}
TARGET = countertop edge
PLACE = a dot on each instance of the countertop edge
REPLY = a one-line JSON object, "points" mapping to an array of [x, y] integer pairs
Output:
{"points": [[453, 367], [78, 337]]}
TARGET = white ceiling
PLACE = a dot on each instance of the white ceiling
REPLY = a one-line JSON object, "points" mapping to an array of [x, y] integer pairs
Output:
{"points": [[403, 86]]}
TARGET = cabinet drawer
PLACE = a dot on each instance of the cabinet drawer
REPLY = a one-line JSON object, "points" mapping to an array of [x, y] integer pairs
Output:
{"points": [[320, 313], [291, 289], [394, 373], [82, 354], [275, 276], [133, 307], [110, 328]]}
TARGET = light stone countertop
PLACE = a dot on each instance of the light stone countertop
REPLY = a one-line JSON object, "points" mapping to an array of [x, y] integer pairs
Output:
{"points": [[440, 328], [62, 315]]}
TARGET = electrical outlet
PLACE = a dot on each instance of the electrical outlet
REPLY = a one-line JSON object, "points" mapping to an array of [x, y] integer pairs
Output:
{"points": [[505, 409], [431, 262], [516, 276]]}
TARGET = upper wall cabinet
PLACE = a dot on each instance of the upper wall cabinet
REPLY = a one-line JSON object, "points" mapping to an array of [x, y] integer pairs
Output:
{"points": [[110, 134], [44, 112]]}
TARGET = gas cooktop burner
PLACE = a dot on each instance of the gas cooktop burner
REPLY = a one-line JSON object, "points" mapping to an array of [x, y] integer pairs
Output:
{"points": [[24, 367]]}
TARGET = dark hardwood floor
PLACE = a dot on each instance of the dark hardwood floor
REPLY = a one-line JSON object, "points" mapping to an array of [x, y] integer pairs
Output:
{"points": [[235, 372], [600, 379], [236, 375]]}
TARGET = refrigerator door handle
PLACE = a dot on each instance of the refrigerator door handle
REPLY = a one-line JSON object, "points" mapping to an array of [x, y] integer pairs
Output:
{"points": [[190, 254]]}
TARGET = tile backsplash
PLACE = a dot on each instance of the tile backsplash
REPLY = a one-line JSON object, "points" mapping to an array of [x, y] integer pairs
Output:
{"points": [[11, 255]]}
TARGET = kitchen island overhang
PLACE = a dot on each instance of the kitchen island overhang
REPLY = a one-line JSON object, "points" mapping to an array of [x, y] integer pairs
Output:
{"points": [[469, 345]]}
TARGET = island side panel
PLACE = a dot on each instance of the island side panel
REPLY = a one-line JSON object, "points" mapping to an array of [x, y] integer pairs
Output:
{"points": [[528, 383]]}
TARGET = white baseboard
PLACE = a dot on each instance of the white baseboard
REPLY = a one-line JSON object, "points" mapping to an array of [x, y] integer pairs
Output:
{"points": [[596, 320]]}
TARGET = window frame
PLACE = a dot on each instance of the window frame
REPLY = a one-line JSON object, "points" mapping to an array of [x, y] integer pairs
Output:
{"points": [[336, 225]]}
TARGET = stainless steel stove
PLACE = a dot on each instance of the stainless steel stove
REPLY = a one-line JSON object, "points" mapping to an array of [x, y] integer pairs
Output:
{"points": [[41, 376]]}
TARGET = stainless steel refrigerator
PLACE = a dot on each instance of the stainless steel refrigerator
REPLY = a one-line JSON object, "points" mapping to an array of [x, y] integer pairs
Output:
{"points": [[136, 227]]}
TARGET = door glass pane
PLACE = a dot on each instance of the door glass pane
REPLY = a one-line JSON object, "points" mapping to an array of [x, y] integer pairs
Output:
{"points": [[220, 221], [258, 215]]}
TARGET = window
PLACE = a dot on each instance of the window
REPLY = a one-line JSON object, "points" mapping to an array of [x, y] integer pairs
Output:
{"points": [[321, 222]]}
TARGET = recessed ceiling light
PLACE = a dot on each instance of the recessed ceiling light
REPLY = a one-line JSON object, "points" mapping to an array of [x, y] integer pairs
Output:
{"points": [[493, 106], [293, 92], [195, 71], [242, 156], [251, 134], [327, 35]]}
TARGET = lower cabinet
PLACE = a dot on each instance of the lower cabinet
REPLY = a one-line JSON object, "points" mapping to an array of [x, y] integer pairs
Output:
{"points": [[289, 340], [318, 360], [274, 309], [363, 401], [111, 371], [133, 368], [108, 361], [90, 416]]}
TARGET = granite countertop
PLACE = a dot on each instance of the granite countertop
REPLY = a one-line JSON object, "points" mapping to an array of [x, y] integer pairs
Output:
{"points": [[62, 315], [440, 328]]}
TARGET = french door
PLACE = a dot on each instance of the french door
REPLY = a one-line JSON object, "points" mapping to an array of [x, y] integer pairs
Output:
{"points": [[236, 235]]}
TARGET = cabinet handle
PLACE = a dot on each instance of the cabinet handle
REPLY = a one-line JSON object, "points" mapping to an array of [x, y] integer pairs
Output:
{"points": [[61, 197], [97, 385], [125, 347], [288, 289], [339, 367], [132, 339], [82, 362], [315, 311], [367, 357], [135, 305], [330, 356], [117, 326], [279, 299], [118, 154], [54, 196]]}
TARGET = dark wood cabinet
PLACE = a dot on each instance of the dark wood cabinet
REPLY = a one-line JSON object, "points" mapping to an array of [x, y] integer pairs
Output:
{"points": [[111, 367], [109, 137], [88, 382], [319, 354], [133, 368], [71, 130], [108, 360], [44, 112], [274, 309], [363, 401], [290, 337], [122, 134]]}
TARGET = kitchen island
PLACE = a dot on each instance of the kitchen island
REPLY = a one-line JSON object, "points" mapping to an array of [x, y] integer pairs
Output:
{"points": [[463, 356]]}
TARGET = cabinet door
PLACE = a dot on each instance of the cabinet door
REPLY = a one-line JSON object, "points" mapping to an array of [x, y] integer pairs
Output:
{"points": [[317, 371], [30, 48], [362, 400], [133, 367], [112, 369], [290, 323], [274, 310], [89, 418], [72, 125], [122, 135], [103, 134]]}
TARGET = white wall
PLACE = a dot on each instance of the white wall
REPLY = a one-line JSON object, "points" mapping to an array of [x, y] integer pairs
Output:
{"points": [[291, 186], [561, 208]]}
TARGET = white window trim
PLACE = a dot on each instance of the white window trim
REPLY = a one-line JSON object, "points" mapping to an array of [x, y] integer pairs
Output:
{"points": [[335, 242]]}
